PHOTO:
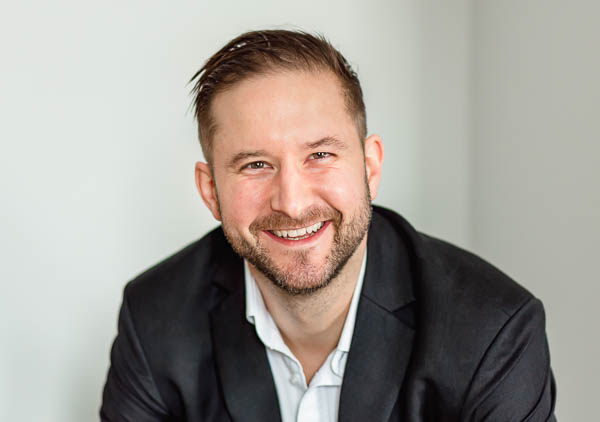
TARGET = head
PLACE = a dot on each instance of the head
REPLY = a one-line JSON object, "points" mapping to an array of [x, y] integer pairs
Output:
{"points": [[290, 170], [262, 52]]}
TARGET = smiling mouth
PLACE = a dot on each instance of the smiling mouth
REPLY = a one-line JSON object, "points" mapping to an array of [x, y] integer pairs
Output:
{"points": [[299, 234]]}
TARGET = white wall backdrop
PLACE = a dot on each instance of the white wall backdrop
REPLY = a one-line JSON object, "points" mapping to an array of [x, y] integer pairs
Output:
{"points": [[98, 149]]}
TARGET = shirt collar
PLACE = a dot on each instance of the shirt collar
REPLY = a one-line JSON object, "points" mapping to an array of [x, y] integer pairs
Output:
{"points": [[258, 315], [348, 330]]}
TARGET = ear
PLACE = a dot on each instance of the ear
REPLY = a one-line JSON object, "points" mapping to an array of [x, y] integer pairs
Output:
{"points": [[373, 162], [205, 183]]}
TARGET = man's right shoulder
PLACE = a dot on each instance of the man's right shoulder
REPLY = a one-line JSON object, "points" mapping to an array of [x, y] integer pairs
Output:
{"points": [[163, 347], [190, 275]]}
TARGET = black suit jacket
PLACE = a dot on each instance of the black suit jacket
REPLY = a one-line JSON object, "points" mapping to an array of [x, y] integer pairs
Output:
{"points": [[440, 335]]}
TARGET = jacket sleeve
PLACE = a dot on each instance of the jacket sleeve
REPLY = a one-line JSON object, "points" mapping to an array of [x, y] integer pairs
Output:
{"points": [[130, 394], [514, 381]]}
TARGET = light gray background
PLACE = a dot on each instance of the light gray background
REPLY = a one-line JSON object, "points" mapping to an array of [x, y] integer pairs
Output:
{"points": [[489, 111]]}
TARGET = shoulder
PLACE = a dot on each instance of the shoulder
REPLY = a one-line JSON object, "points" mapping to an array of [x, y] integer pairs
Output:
{"points": [[468, 282], [461, 301], [449, 278], [164, 327], [475, 326], [183, 282], [483, 337]]}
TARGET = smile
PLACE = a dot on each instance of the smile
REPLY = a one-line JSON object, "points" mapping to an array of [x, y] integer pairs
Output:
{"points": [[298, 234]]}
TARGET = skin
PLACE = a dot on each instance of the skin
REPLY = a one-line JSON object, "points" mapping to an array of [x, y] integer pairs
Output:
{"points": [[286, 154]]}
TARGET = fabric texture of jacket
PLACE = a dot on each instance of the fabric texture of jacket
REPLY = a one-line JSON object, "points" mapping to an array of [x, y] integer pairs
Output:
{"points": [[440, 335]]}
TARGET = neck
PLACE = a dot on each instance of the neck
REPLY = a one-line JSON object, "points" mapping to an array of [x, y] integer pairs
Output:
{"points": [[311, 325]]}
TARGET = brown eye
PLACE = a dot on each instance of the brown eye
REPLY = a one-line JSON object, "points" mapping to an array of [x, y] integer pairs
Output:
{"points": [[320, 155], [256, 165]]}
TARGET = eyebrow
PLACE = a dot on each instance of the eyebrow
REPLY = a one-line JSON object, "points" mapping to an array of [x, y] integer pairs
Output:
{"points": [[327, 141], [244, 155]]}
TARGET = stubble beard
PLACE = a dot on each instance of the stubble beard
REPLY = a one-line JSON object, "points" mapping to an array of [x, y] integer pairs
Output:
{"points": [[299, 276]]}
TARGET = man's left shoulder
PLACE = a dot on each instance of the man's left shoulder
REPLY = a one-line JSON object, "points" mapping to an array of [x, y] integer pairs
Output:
{"points": [[452, 283], [480, 350], [472, 283]]}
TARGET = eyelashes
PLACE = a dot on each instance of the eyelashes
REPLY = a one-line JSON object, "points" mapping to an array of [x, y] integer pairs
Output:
{"points": [[255, 165], [320, 155], [260, 165]]}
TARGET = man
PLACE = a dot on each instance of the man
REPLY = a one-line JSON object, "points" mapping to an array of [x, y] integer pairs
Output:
{"points": [[308, 304]]}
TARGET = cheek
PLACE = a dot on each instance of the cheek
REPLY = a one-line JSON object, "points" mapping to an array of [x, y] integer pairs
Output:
{"points": [[342, 189], [242, 202]]}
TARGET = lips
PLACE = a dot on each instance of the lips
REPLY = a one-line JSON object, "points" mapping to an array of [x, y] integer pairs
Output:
{"points": [[285, 229], [300, 233]]}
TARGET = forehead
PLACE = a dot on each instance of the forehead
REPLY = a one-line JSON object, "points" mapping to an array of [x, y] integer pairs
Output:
{"points": [[282, 108]]}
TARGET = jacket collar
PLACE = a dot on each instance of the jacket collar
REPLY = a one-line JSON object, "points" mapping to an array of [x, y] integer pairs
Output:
{"points": [[381, 344]]}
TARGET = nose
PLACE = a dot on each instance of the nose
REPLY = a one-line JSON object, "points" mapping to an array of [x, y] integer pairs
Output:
{"points": [[292, 193]]}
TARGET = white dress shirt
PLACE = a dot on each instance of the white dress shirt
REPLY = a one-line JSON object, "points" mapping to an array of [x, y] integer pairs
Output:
{"points": [[298, 402]]}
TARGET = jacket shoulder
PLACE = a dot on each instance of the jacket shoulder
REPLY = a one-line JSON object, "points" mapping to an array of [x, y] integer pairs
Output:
{"points": [[448, 276], [188, 271], [178, 293], [163, 343], [485, 341], [479, 333], [468, 282]]}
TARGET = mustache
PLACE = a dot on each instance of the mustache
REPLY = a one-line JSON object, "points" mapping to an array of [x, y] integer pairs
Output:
{"points": [[279, 220]]}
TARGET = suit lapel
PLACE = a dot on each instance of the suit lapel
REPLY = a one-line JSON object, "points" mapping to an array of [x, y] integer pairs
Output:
{"points": [[383, 334], [241, 360], [378, 358]]}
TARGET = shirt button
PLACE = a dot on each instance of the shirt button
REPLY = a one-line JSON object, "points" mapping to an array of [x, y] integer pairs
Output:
{"points": [[296, 379]]}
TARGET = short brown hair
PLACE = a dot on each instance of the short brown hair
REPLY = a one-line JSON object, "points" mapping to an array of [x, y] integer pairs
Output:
{"points": [[258, 52]]}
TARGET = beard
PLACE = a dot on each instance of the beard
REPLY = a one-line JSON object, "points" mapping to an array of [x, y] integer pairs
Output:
{"points": [[299, 276]]}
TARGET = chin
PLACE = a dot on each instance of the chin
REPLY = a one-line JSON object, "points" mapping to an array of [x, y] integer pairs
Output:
{"points": [[300, 277]]}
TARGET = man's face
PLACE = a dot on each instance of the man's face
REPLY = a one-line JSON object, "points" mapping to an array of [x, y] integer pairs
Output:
{"points": [[289, 180]]}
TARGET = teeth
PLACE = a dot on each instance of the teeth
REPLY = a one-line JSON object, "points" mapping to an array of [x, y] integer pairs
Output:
{"points": [[299, 232]]}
